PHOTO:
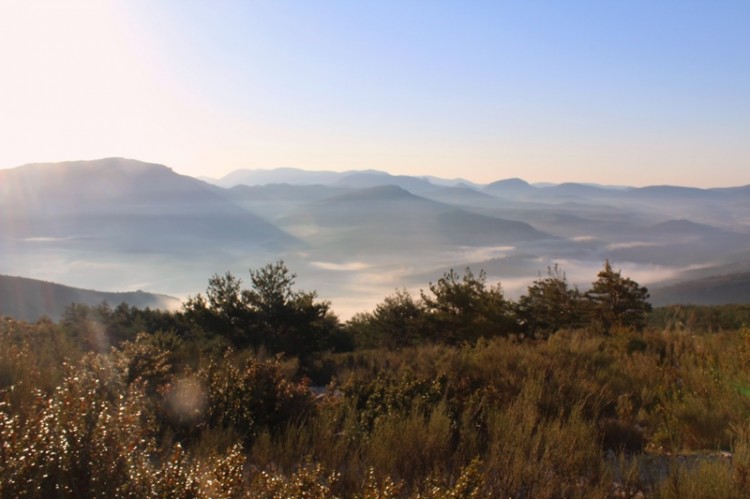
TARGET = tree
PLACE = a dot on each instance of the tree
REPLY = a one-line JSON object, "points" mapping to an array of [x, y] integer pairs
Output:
{"points": [[396, 322], [618, 302], [288, 320], [272, 288], [464, 308], [271, 313], [550, 304], [222, 311]]}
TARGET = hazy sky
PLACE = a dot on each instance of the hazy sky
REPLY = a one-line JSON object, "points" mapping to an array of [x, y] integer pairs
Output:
{"points": [[622, 92]]}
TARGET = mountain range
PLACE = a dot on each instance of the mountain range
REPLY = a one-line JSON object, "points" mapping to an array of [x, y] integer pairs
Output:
{"points": [[356, 236]]}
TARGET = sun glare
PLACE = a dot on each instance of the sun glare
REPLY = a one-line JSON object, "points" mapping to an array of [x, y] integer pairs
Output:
{"points": [[77, 84]]}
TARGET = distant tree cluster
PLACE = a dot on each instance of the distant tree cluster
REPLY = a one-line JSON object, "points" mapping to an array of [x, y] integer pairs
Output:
{"points": [[464, 308], [271, 314], [97, 328]]}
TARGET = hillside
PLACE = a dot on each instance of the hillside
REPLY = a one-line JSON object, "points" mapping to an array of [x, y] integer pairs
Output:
{"points": [[716, 290], [30, 299], [378, 179], [120, 203], [390, 218], [273, 201]]}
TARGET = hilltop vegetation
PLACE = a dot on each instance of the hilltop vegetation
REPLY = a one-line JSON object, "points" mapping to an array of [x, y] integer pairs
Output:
{"points": [[458, 392]]}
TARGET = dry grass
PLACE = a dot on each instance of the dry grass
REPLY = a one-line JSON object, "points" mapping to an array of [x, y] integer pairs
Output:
{"points": [[498, 418]]}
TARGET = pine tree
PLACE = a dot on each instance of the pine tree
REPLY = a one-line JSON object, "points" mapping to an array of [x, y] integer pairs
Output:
{"points": [[618, 302], [550, 304]]}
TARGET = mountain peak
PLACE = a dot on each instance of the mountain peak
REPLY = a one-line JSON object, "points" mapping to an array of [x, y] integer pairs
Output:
{"points": [[380, 192], [375, 179], [510, 182], [510, 187], [113, 163]]}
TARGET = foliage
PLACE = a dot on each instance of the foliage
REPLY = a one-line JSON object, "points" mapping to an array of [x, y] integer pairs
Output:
{"points": [[491, 419], [432, 409], [247, 398], [271, 314], [550, 305], [147, 357], [98, 328], [617, 301], [395, 323], [700, 318], [222, 310], [465, 308], [288, 321]]}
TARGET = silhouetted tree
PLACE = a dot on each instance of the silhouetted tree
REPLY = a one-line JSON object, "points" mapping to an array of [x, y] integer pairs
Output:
{"points": [[88, 325], [396, 322], [222, 311], [271, 313], [464, 308], [550, 304], [288, 320], [616, 301]]}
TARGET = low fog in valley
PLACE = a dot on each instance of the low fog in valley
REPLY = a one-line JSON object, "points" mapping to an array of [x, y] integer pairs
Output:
{"points": [[354, 237]]}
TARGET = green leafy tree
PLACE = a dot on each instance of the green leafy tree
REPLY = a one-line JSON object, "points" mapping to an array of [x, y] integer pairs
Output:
{"points": [[288, 320], [550, 304], [271, 313], [397, 321], [618, 302], [222, 311], [464, 308]]}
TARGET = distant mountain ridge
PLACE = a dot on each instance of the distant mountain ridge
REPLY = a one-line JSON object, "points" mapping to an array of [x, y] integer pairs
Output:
{"points": [[357, 234], [716, 290], [30, 299], [389, 217], [298, 176], [118, 201], [280, 176]]}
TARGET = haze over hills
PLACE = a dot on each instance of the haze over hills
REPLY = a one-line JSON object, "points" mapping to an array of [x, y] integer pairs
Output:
{"points": [[296, 176], [715, 290], [115, 224], [123, 202], [353, 236], [31, 299], [279, 176], [390, 219]]}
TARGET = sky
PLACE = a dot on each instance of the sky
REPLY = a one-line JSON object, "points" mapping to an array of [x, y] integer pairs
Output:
{"points": [[623, 92]]}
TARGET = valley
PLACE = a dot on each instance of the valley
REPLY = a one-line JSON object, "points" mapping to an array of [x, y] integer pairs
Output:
{"points": [[117, 224]]}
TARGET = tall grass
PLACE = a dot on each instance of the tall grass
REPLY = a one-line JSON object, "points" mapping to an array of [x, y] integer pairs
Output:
{"points": [[578, 415]]}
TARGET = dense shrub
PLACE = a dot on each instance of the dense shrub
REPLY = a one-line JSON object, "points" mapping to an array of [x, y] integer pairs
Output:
{"points": [[270, 314]]}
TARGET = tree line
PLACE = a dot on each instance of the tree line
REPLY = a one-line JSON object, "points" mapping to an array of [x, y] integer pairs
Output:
{"points": [[273, 315], [463, 308]]}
